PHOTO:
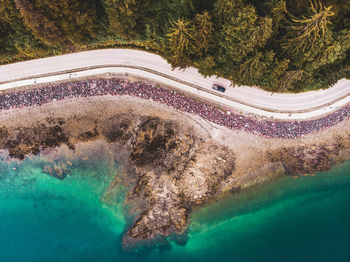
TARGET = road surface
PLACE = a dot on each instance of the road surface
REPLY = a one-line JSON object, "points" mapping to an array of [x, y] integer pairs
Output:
{"points": [[148, 65]]}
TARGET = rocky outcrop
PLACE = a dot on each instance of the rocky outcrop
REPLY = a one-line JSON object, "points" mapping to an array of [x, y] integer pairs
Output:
{"points": [[24, 140], [170, 167], [307, 159], [174, 170], [169, 192]]}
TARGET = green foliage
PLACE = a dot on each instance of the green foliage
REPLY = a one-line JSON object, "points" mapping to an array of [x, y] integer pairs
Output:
{"points": [[344, 38], [243, 33], [279, 12], [225, 9], [42, 27], [206, 65], [16, 40], [190, 39], [64, 22], [181, 37], [203, 32], [254, 66], [308, 33], [122, 17], [181, 41], [285, 83], [279, 45]]}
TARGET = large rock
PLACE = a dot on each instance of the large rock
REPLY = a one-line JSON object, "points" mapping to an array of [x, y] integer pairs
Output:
{"points": [[170, 167]]}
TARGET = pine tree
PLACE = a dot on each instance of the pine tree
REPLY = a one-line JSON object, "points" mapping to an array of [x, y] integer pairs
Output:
{"points": [[263, 31], [65, 22], [204, 32], [276, 74], [122, 17], [333, 54], [16, 40], [225, 9], [252, 67], [181, 41], [42, 27], [306, 33], [206, 65], [287, 80], [343, 37], [244, 33], [279, 12]]}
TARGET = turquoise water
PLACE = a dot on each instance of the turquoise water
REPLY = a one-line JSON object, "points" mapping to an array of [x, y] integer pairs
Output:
{"points": [[78, 219]]}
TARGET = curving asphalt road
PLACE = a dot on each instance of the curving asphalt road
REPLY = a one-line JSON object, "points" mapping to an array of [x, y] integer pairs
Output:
{"points": [[148, 65]]}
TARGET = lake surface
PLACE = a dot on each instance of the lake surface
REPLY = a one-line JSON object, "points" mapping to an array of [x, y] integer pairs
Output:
{"points": [[76, 219]]}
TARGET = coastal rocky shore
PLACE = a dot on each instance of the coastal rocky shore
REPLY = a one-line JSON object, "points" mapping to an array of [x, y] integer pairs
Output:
{"points": [[170, 168], [174, 161], [176, 100]]}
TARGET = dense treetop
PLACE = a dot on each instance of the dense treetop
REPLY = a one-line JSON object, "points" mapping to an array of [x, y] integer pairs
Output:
{"points": [[279, 45]]}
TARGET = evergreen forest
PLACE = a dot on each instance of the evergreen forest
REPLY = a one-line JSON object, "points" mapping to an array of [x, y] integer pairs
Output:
{"points": [[278, 45]]}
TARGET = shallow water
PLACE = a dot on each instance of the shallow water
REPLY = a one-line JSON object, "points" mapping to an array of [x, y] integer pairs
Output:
{"points": [[46, 219]]}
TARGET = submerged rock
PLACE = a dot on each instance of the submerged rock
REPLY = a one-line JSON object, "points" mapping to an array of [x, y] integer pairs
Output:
{"points": [[170, 168], [57, 170]]}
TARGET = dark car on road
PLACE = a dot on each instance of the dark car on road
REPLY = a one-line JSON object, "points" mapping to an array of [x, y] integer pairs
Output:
{"points": [[219, 88]]}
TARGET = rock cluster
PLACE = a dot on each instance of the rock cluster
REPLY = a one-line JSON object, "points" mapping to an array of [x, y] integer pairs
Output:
{"points": [[170, 168], [58, 170], [169, 194], [173, 171], [177, 100], [306, 159], [25, 140]]}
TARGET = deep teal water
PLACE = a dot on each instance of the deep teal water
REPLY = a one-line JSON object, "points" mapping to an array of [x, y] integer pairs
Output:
{"points": [[46, 219]]}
